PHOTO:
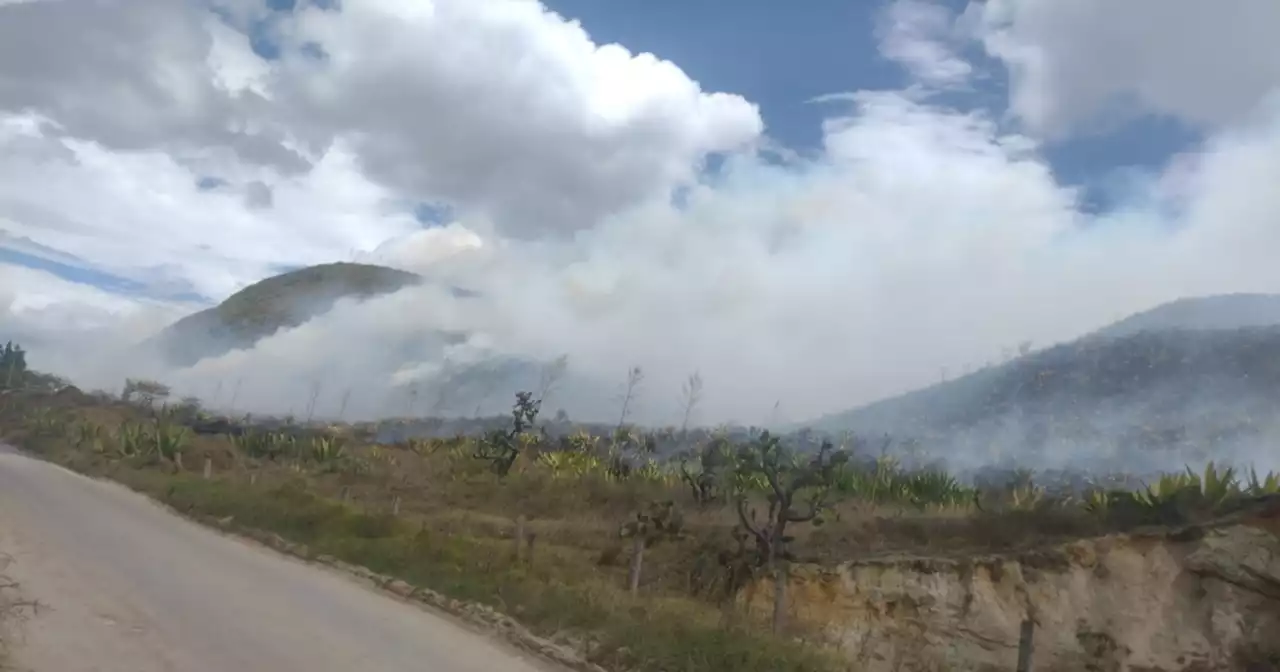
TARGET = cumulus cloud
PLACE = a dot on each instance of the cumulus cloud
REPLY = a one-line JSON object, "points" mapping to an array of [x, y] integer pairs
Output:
{"points": [[920, 236], [923, 36], [503, 108], [1075, 65]]}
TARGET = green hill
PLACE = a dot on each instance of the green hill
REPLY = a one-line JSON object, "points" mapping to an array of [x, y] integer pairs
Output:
{"points": [[265, 307], [1192, 378]]}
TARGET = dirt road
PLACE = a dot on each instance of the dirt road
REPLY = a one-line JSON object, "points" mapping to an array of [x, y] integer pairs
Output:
{"points": [[130, 587]]}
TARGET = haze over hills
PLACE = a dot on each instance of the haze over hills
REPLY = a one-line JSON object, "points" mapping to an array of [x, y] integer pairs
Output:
{"points": [[1197, 377], [265, 307], [1226, 311], [403, 373]]}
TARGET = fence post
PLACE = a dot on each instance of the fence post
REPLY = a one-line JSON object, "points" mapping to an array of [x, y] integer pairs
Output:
{"points": [[208, 468], [1025, 646], [518, 538]]}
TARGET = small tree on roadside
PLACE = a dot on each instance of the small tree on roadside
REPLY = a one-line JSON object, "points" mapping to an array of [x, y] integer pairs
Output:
{"points": [[707, 480], [662, 521], [145, 392], [501, 447], [798, 491]]}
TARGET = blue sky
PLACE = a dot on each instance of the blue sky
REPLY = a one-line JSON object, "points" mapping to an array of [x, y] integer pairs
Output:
{"points": [[780, 56]]}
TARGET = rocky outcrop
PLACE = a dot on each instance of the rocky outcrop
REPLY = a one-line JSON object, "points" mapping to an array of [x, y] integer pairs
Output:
{"points": [[1198, 599]]}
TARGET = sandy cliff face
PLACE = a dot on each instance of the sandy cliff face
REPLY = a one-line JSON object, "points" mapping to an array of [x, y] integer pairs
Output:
{"points": [[1200, 599]]}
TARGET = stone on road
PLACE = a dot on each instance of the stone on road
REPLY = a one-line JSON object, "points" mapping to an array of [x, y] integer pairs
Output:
{"points": [[126, 586]]}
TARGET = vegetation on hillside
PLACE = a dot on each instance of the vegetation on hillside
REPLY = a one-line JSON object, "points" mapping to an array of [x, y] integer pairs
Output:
{"points": [[279, 302], [1192, 391], [637, 557]]}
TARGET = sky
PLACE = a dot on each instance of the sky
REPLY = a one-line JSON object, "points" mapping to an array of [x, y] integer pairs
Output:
{"points": [[814, 204]]}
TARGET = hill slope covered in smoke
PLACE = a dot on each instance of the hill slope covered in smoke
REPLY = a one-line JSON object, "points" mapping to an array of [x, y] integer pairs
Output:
{"points": [[1228, 311], [278, 302], [1164, 385]]}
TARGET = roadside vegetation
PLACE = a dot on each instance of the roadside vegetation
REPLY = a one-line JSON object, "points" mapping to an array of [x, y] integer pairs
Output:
{"points": [[632, 546]]}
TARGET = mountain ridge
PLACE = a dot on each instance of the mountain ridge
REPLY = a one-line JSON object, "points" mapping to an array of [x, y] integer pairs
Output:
{"points": [[278, 302]]}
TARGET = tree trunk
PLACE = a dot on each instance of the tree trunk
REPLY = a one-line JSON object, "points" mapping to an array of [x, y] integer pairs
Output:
{"points": [[781, 574], [637, 563], [518, 540]]}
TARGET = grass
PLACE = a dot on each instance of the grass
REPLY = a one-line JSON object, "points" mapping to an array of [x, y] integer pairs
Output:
{"points": [[431, 513]]}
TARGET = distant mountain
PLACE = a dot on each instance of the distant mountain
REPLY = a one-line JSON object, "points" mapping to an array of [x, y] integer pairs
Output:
{"points": [[1224, 311], [1191, 379], [484, 383], [279, 302]]}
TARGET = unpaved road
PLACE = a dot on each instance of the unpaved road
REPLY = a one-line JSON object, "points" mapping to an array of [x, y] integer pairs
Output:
{"points": [[130, 587]]}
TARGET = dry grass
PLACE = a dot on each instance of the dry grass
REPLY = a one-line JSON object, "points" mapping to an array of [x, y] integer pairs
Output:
{"points": [[456, 521]]}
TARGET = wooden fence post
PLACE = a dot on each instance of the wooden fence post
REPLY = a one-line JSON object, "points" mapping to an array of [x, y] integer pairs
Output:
{"points": [[1025, 646]]}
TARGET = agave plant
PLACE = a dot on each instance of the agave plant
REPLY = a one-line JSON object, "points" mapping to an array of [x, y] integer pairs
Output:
{"points": [[326, 450], [1268, 485], [129, 440], [168, 441], [90, 435]]}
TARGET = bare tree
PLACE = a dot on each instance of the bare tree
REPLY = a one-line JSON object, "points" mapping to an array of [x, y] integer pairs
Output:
{"points": [[631, 389], [316, 386], [342, 405], [552, 373], [662, 521], [787, 478], [235, 394], [690, 396]]}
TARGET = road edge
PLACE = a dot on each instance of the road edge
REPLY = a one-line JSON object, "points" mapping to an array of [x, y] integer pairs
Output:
{"points": [[480, 618]]}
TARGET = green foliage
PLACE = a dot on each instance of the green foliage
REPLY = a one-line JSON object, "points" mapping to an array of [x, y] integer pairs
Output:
{"points": [[272, 446], [13, 365], [501, 447], [788, 477], [144, 441], [885, 482], [707, 481], [658, 522]]}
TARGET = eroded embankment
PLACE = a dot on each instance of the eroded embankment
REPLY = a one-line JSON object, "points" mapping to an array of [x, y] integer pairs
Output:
{"points": [[1197, 599]]}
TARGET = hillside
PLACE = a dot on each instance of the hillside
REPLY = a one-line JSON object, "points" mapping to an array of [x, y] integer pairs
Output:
{"points": [[1187, 380], [278, 302], [1226, 311]]}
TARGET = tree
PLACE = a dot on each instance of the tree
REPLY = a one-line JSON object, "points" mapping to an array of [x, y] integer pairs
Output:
{"points": [[147, 391], [630, 390], [787, 478], [660, 522], [13, 364], [690, 396], [501, 447], [705, 484]]}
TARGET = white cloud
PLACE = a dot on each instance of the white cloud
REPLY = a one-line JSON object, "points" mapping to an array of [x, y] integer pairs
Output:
{"points": [[1076, 64], [503, 108], [922, 37], [140, 214]]}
